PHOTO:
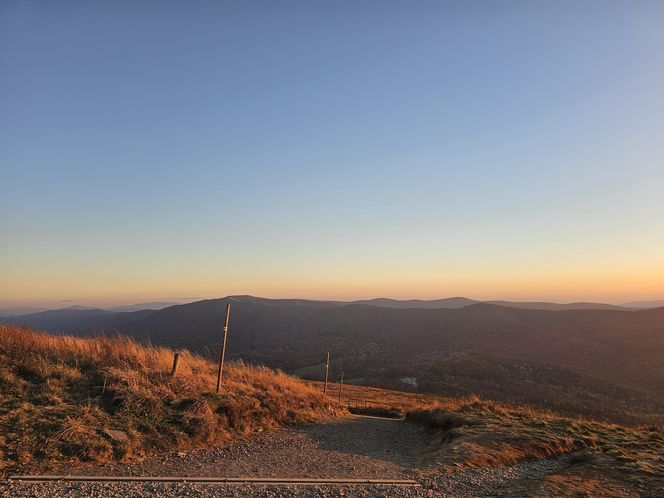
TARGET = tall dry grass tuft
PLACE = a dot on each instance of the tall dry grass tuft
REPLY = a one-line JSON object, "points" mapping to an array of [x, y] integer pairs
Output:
{"points": [[476, 433], [59, 393]]}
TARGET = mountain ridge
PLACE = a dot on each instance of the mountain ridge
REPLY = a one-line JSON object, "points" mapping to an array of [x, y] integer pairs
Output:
{"points": [[448, 302], [598, 362]]}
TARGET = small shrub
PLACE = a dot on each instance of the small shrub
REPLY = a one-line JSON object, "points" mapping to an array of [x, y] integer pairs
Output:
{"points": [[377, 411], [441, 420]]}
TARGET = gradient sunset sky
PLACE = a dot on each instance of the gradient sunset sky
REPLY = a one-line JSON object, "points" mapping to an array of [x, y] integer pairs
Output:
{"points": [[337, 149]]}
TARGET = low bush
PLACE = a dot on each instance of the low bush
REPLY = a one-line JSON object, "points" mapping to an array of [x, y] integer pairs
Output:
{"points": [[377, 411]]}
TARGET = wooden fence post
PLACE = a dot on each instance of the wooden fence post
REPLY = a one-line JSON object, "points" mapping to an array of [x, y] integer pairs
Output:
{"points": [[176, 362], [222, 353], [327, 371], [341, 383]]}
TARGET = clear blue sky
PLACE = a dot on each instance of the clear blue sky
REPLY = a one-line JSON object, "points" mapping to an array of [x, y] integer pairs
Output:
{"points": [[331, 149]]}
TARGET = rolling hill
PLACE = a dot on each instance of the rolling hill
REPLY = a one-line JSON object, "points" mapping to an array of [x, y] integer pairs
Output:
{"points": [[56, 408], [601, 363], [645, 304], [461, 302], [58, 418]]}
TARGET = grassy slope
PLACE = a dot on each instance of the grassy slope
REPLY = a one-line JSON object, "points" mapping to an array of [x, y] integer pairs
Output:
{"points": [[603, 364], [54, 406], [470, 433]]}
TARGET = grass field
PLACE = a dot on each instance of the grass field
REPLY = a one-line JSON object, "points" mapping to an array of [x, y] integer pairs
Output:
{"points": [[469, 433], [59, 394]]}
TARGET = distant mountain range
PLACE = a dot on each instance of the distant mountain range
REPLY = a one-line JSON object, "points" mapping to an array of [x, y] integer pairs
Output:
{"points": [[155, 305], [603, 362], [645, 304], [450, 302], [21, 311], [460, 302]]}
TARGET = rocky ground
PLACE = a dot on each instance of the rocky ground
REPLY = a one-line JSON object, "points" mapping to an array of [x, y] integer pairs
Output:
{"points": [[361, 447]]}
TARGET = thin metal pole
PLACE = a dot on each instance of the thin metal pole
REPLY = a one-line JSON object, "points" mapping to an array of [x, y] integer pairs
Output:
{"points": [[341, 384], [222, 353], [327, 371]]}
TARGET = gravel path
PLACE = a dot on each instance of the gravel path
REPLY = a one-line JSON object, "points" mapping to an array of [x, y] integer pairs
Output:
{"points": [[361, 447]]}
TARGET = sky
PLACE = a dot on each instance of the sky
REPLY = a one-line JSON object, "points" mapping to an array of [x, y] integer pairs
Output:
{"points": [[345, 149]]}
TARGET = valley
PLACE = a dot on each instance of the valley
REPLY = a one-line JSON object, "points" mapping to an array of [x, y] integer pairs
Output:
{"points": [[601, 363]]}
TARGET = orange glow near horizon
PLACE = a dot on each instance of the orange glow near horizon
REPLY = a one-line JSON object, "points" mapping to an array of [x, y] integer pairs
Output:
{"points": [[361, 156], [617, 287]]}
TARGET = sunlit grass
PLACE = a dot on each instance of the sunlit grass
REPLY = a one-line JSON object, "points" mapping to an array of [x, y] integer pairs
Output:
{"points": [[58, 393]]}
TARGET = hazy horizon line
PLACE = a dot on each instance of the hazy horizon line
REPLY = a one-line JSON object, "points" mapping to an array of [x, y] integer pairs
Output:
{"points": [[120, 302]]}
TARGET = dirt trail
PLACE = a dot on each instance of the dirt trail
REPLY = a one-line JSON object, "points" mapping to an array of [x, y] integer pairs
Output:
{"points": [[360, 447]]}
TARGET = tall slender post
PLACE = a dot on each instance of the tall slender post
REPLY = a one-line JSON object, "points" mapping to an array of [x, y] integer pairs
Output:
{"points": [[222, 353], [341, 384], [327, 371], [176, 362]]}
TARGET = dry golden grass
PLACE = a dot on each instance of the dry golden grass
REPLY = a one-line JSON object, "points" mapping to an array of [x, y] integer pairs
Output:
{"points": [[363, 396], [479, 433], [470, 433], [483, 435], [54, 406], [58, 393]]}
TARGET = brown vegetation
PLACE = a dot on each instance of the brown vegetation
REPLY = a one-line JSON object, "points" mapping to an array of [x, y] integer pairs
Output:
{"points": [[601, 364], [376, 411], [471, 432], [484, 433], [59, 395]]}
